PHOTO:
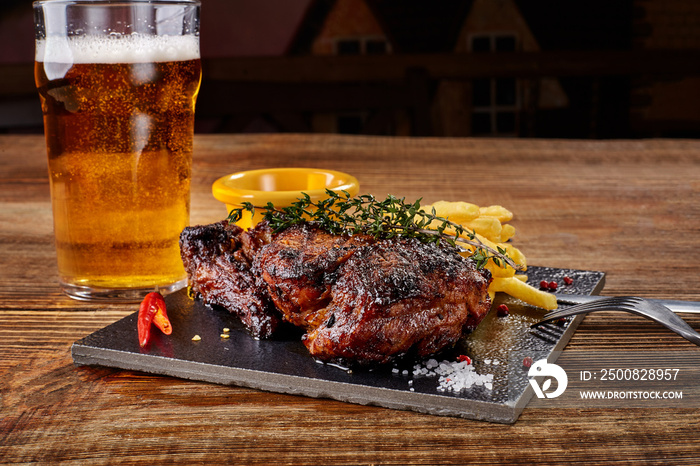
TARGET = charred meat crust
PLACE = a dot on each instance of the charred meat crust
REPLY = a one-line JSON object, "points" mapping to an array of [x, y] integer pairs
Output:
{"points": [[358, 299], [300, 267], [217, 259], [392, 297]]}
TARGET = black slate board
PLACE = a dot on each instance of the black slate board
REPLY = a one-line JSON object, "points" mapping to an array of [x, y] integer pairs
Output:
{"points": [[284, 365]]}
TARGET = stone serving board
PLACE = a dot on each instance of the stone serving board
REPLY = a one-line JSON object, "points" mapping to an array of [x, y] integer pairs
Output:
{"points": [[283, 364]]}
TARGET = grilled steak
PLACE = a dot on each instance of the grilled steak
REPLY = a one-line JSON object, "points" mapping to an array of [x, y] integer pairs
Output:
{"points": [[299, 268], [358, 299], [217, 259]]}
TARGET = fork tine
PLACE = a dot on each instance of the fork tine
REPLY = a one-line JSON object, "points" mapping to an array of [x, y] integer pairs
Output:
{"points": [[611, 301], [635, 305], [598, 305], [561, 313], [615, 302]]}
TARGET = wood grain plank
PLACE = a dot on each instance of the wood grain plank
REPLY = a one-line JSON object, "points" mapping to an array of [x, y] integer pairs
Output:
{"points": [[629, 208]]}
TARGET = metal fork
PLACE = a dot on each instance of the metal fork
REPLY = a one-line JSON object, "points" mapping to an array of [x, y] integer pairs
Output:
{"points": [[640, 306]]}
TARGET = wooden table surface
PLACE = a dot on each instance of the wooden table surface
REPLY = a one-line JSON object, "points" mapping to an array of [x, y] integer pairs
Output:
{"points": [[628, 208]]}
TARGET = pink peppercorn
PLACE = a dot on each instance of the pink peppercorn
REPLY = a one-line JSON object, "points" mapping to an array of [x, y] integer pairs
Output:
{"points": [[463, 358]]}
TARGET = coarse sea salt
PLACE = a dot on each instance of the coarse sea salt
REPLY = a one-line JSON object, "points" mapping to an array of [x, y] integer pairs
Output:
{"points": [[453, 376]]}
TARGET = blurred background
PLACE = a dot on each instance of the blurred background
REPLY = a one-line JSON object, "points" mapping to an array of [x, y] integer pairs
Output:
{"points": [[590, 69]]}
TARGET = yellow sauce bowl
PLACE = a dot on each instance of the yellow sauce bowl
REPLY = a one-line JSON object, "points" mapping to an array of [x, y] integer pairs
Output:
{"points": [[281, 186]]}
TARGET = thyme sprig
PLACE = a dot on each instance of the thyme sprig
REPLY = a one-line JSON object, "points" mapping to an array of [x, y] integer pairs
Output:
{"points": [[393, 217]]}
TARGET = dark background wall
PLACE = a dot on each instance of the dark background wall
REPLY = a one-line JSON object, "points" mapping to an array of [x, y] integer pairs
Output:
{"points": [[653, 46]]}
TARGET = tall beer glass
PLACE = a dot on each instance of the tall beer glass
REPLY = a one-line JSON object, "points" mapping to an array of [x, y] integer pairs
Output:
{"points": [[118, 82]]}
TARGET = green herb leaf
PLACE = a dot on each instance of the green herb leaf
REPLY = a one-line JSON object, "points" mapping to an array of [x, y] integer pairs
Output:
{"points": [[340, 213]]}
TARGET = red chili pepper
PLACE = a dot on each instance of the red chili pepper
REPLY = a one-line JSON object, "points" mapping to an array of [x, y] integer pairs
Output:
{"points": [[152, 311]]}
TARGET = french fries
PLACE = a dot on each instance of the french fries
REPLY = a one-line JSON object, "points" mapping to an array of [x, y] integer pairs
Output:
{"points": [[524, 292], [490, 228], [501, 213], [459, 212]]}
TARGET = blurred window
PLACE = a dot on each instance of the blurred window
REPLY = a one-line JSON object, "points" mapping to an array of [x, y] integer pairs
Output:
{"points": [[481, 44], [362, 46], [506, 90], [495, 101], [481, 92], [348, 47]]}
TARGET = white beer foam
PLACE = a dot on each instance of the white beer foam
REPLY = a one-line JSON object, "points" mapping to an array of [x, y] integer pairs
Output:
{"points": [[134, 48]]}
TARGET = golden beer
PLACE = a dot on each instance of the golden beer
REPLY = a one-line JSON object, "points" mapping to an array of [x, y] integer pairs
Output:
{"points": [[119, 125]]}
